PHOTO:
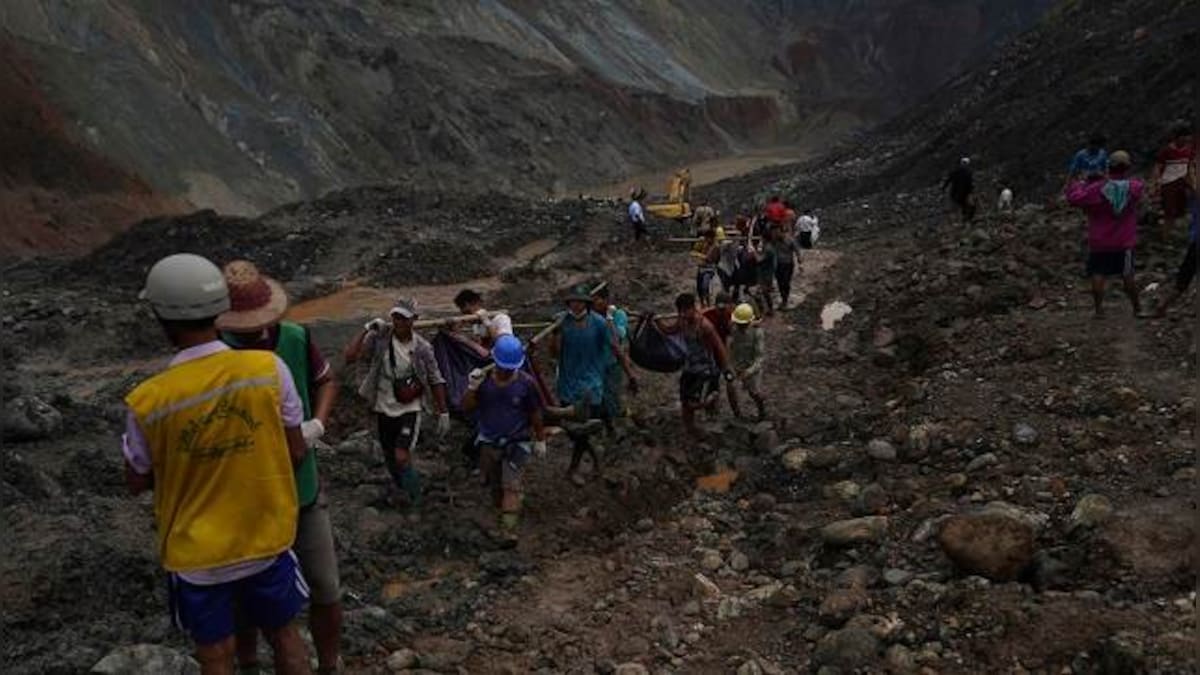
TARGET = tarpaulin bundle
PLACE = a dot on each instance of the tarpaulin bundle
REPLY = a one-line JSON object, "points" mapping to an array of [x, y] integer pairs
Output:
{"points": [[655, 350], [457, 357]]}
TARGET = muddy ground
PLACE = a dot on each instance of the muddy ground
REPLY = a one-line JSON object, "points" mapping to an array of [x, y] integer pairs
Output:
{"points": [[969, 377]]}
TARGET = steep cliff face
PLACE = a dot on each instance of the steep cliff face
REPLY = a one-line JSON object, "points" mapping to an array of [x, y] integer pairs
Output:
{"points": [[245, 105]]}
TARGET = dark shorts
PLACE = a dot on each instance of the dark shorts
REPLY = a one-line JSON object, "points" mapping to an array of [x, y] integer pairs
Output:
{"points": [[806, 240], [704, 278], [696, 387], [1187, 270], [399, 433], [270, 600], [1175, 199], [1110, 263]]}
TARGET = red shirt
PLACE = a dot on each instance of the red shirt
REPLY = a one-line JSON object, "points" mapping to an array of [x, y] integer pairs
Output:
{"points": [[1173, 153], [775, 212]]}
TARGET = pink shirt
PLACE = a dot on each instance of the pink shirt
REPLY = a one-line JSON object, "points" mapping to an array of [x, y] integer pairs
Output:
{"points": [[1108, 230], [137, 454]]}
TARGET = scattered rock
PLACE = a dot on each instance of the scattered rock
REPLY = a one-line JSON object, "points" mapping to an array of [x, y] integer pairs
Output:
{"points": [[855, 531], [631, 669], [900, 660], [872, 501], [710, 561], [859, 576], [29, 418], [824, 458], [147, 660], [848, 649], [841, 604], [897, 577], [795, 459], [403, 659], [844, 490], [982, 462], [1024, 434], [1091, 511], [881, 450], [1120, 654], [992, 545], [1033, 519], [739, 562], [705, 587]]}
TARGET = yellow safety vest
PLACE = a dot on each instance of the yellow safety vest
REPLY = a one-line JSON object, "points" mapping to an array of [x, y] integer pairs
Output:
{"points": [[224, 488]]}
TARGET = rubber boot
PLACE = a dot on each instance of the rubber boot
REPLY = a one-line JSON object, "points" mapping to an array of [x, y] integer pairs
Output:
{"points": [[410, 483]]}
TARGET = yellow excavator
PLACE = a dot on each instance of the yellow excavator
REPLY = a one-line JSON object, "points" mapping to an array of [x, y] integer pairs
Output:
{"points": [[679, 192]]}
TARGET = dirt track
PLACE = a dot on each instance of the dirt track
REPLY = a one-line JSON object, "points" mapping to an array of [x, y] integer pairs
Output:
{"points": [[912, 409]]}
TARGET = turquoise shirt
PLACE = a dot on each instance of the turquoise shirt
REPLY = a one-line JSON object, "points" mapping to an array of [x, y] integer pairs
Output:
{"points": [[584, 354]]}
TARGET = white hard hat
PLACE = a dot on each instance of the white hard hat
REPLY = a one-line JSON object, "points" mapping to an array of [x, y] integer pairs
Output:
{"points": [[186, 286]]}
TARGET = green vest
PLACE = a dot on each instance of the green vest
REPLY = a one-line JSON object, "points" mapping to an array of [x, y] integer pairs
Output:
{"points": [[292, 348]]}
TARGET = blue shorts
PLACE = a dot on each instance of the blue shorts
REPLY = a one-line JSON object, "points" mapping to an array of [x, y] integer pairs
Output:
{"points": [[270, 599]]}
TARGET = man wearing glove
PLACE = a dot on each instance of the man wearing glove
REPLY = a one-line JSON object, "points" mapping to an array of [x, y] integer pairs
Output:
{"points": [[401, 381], [508, 410], [257, 305]]}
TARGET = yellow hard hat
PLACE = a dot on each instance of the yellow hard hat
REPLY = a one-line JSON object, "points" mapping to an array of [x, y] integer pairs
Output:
{"points": [[743, 313]]}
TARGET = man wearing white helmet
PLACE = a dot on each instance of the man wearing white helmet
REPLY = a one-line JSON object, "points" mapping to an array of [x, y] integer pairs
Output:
{"points": [[217, 436]]}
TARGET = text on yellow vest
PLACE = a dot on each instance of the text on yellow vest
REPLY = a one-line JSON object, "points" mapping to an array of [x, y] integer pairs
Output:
{"points": [[224, 488]]}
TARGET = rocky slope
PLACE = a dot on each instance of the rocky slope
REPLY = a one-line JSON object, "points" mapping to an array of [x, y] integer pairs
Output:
{"points": [[57, 194], [1115, 67], [243, 106]]}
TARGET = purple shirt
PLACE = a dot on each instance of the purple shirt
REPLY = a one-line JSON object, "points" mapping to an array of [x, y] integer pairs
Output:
{"points": [[137, 454], [503, 411]]}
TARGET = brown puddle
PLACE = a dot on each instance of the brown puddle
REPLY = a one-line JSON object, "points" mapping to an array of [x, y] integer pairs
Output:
{"points": [[355, 301]]}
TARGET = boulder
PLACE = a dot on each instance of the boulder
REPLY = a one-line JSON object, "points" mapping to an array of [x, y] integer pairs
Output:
{"points": [[847, 649], [855, 531], [403, 659], [147, 660], [631, 669], [29, 418], [794, 460], [992, 545], [881, 450], [841, 605], [1091, 511]]}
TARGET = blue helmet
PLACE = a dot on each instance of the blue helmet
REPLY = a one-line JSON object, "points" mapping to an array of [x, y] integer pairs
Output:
{"points": [[508, 353]]}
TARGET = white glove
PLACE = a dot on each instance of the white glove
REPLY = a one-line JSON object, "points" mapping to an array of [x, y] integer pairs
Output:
{"points": [[312, 430], [484, 315], [374, 325], [539, 448], [443, 425], [475, 378]]}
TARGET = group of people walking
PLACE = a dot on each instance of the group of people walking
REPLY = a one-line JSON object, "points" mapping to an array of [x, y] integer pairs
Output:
{"points": [[1103, 186], [225, 435]]}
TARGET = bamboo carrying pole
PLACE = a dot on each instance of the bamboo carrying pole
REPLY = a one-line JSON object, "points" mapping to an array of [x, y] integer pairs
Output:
{"points": [[465, 318]]}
